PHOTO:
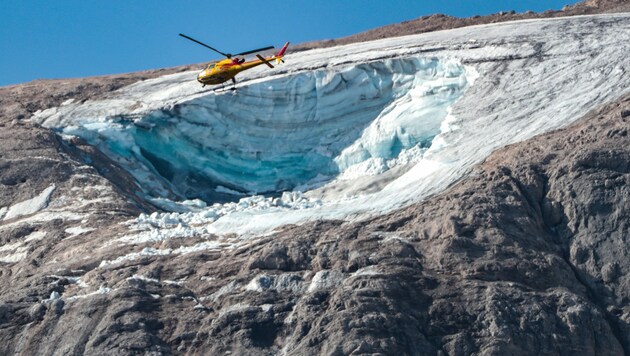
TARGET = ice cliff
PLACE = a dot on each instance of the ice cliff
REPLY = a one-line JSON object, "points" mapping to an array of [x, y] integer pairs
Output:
{"points": [[351, 130]]}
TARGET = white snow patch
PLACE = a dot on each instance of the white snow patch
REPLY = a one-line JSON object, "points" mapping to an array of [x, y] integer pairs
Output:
{"points": [[326, 279], [281, 283], [392, 237], [257, 285], [150, 251], [18, 256], [100, 291], [73, 280], [147, 251], [179, 282], [10, 247], [35, 236], [78, 230], [143, 278], [19, 250], [30, 206], [367, 271], [45, 216]]}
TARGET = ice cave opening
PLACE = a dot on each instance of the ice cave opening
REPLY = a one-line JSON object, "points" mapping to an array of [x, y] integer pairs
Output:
{"points": [[292, 132]]}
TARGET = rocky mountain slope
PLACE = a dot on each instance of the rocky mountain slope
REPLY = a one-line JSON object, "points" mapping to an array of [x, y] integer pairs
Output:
{"points": [[528, 254]]}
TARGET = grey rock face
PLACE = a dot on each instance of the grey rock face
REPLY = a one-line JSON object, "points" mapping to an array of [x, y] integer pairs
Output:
{"points": [[528, 255]]}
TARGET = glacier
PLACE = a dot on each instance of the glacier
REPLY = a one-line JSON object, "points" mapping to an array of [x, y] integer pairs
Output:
{"points": [[350, 131], [292, 131]]}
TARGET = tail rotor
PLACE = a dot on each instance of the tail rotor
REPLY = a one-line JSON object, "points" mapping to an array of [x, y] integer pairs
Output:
{"points": [[280, 54]]}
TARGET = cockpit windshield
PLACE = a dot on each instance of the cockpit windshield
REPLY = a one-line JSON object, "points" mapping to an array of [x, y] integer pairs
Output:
{"points": [[210, 66]]}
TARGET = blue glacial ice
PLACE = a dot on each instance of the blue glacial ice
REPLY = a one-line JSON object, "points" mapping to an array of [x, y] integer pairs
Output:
{"points": [[299, 130]]}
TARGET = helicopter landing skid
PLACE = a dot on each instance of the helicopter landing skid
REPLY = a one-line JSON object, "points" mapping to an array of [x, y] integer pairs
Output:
{"points": [[223, 89]]}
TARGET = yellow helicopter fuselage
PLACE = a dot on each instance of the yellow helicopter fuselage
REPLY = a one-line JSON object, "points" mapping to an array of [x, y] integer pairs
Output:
{"points": [[225, 70]]}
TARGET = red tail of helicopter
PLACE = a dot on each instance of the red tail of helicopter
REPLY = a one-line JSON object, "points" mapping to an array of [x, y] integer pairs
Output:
{"points": [[278, 56]]}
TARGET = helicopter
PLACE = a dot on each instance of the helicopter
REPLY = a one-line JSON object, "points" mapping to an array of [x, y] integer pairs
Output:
{"points": [[226, 69]]}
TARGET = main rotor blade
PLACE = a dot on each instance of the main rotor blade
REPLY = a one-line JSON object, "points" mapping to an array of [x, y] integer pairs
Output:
{"points": [[254, 51], [205, 45], [262, 59]]}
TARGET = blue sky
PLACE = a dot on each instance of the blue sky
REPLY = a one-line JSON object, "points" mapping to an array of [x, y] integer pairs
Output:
{"points": [[76, 38]]}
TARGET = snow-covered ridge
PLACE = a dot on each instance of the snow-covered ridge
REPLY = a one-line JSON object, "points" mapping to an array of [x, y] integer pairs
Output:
{"points": [[387, 98]]}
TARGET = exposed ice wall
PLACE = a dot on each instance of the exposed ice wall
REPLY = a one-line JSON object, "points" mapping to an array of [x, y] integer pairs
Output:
{"points": [[533, 76], [293, 131]]}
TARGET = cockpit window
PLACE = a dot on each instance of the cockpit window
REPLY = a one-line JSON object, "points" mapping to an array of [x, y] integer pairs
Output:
{"points": [[211, 65]]}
